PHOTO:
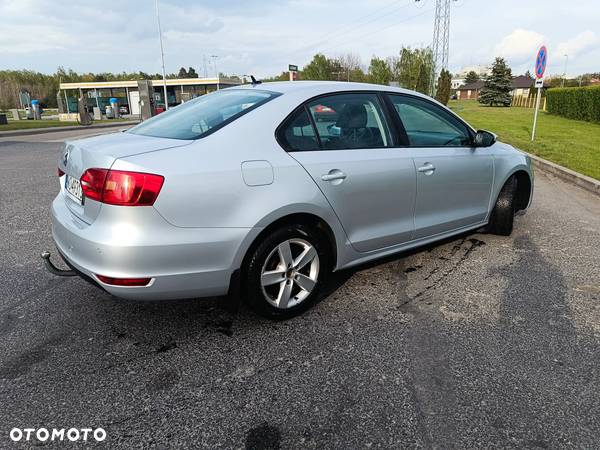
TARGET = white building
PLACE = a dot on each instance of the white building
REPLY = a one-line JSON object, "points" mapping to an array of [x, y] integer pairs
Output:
{"points": [[455, 83], [459, 80], [481, 70]]}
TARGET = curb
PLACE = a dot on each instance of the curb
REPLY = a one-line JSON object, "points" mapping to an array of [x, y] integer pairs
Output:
{"points": [[66, 128], [583, 181]]}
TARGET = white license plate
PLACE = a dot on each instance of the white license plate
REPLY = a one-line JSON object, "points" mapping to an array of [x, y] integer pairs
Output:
{"points": [[73, 187]]}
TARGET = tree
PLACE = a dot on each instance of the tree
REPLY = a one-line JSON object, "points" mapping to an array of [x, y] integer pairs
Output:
{"points": [[471, 77], [528, 74], [412, 69], [320, 68], [443, 88], [423, 82], [182, 73], [191, 73], [498, 85], [379, 71], [350, 67], [284, 76], [232, 77]]}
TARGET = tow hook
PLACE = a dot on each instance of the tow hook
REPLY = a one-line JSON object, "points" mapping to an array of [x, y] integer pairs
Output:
{"points": [[55, 270]]}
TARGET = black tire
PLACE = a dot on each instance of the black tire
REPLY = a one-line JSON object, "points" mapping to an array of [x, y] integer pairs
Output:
{"points": [[503, 214], [252, 288]]}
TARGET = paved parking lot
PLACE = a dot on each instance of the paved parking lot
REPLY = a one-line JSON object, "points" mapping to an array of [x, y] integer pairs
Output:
{"points": [[482, 341]]}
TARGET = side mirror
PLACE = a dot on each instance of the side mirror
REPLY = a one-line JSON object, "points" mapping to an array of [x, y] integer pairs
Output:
{"points": [[484, 139]]}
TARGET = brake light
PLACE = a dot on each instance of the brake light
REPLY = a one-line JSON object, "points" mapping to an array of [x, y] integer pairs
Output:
{"points": [[124, 281], [59, 172], [120, 187], [92, 183]]}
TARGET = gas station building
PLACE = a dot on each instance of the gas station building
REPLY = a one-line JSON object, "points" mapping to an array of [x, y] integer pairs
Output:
{"points": [[98, 94]]}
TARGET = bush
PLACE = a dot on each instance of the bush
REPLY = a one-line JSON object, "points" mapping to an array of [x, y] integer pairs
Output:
{"points": [[575, 103]]}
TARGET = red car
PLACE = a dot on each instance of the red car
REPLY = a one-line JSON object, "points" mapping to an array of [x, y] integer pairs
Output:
{"points": [[324, 113]]}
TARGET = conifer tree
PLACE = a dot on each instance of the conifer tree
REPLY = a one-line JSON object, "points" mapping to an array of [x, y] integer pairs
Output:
{"points": [[471, 77], [443, 88], [497, 86]]}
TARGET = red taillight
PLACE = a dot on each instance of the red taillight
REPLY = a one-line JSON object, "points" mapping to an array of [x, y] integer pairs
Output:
{"points": [[124, 281], [131, 188], [119, 187], [59, 172], [92, 183]]}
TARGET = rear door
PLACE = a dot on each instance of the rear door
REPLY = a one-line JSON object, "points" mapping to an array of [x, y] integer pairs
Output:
{"points": [[369, 183], [454, 179]]}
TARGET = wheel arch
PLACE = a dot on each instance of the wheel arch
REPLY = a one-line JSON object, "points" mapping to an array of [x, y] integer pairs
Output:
{"points": [[305, 217], [302, 218], [524, 187]]}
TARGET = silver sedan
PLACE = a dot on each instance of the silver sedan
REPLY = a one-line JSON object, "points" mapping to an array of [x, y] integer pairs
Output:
{"points": [[270, 187]]}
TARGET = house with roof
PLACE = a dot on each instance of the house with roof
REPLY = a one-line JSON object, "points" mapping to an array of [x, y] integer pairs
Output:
{"points": [[521, 86], [469, 91]]}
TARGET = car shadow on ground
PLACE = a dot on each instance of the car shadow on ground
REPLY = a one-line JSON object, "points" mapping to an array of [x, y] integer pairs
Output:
{"points": [[177, 319], [338, 279]]}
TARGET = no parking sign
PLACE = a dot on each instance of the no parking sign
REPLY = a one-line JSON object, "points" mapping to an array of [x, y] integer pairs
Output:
{"points": [[540, 62], [540, 67]]}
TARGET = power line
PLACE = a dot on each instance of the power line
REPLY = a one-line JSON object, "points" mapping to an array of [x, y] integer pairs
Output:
{"points": [[355, 38], [351, 27]]}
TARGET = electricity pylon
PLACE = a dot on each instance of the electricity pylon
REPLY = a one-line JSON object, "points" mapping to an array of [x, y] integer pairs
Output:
{"points": [[440, 46]]}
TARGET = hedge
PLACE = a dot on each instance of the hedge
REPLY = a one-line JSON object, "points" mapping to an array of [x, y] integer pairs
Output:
{"points": [[575, 103]]}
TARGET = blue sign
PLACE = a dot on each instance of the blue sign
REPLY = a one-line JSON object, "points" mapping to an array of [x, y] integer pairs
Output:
{"points": [[540, 62]]}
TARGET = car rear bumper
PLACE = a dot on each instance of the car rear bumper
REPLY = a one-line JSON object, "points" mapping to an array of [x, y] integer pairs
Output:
{"points": [[136, 242]]}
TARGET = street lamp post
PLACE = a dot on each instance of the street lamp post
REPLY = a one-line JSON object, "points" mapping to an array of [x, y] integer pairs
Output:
{"points": [[565, 72], [214, 58], [162, 56]]}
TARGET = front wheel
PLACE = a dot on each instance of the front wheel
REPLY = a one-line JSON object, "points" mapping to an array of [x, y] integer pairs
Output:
{"points": [[503, 214], [286, 271]]}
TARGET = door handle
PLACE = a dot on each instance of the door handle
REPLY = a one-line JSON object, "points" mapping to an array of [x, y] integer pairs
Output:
{"points": [[427, 168], [334, 175]]}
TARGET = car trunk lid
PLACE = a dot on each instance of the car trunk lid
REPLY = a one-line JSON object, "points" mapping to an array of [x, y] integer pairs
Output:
{"points": [[101, 152]]}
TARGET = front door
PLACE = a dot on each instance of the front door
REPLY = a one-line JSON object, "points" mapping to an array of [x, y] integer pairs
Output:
{"points": [[369, 184], [454, 179]]}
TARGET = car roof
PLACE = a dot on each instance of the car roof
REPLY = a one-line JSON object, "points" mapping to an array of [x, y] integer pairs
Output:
{"points": [[321, 87]]}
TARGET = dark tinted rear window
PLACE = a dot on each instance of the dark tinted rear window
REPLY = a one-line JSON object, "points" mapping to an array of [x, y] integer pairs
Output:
{"points": [[203, 115], [298, 133]]}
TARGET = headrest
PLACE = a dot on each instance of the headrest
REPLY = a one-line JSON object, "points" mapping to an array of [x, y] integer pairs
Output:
{"points": [[354, 115]]}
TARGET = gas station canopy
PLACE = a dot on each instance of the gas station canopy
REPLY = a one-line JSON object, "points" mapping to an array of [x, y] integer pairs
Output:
{"points": [[179, 90], [214, 83]]}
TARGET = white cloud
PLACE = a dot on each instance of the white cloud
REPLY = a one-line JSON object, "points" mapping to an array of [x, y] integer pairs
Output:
{"points": [[579, 44], [520, 45], [116, 35], [31, 38]]}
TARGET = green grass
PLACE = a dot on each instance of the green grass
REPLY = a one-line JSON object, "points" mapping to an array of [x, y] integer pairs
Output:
{"points": [[28, 124], [570, 143]]}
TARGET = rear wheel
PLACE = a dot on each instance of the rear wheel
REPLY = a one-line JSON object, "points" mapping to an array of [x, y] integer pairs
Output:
{"points": [[502, 217], [286, 270]]}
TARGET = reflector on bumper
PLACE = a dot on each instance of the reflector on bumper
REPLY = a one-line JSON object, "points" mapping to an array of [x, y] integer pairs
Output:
{"points": [[124, 281]]}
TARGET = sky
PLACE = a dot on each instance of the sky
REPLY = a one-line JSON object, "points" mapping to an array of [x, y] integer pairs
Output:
{"points": [[263, 37]]}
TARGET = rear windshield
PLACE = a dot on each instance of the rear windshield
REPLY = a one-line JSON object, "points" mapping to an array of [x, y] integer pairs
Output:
{"points": [[203, 115]]}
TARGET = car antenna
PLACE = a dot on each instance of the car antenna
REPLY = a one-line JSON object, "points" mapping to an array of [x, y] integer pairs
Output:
{"points": [[254, 80]]}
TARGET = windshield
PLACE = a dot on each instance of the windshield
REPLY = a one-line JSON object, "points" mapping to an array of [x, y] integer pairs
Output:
{"points": [[203, 115]]}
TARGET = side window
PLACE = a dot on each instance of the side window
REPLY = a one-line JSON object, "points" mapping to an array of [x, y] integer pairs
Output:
{"points": [[298, 133], [349, 121], [428, 125]]}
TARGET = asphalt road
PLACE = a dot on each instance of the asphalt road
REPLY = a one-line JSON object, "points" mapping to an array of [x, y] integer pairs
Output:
{"points": [[483, 341]]}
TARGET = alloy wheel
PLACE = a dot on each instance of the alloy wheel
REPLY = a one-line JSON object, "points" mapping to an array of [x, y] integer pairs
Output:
{"points": [[290, 273]]}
